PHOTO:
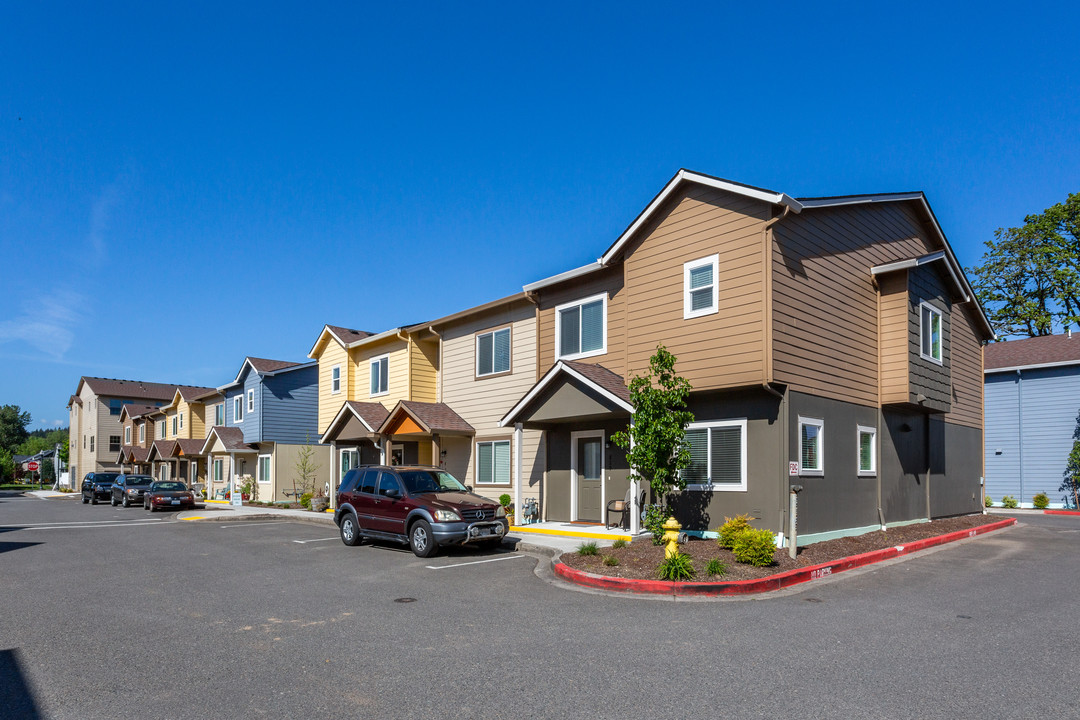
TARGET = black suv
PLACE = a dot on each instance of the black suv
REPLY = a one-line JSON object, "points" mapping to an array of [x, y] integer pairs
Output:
{"points": [[423, 507], [97, 486], [128, 490]]}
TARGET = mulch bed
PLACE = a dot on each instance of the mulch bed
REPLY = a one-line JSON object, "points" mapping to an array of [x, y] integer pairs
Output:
{"points": [[639, 559]]}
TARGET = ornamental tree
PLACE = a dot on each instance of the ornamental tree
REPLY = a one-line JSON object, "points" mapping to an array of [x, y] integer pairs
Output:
{"points": [[656, 439]]}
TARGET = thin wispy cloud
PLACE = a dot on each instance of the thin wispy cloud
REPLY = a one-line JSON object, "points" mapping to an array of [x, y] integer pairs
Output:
{"points": [[46, 323], [100, 214]]}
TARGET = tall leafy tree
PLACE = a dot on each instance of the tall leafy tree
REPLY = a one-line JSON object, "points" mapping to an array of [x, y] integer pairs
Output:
{"points": [[1029, 279], [7, 466], [13, 422], [657, 438]]}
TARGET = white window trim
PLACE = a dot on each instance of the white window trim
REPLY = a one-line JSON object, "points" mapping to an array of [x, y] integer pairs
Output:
{"points": [[574, 437], [860, 429], [174, 428], [218, 472], [222, 407], [238, 409], [127, 436], [337, 380], [728, 487], [163, 426], [476, 471], [492, 333], [372, 362], [941, 331], [820, 425], [142, 433], [713, 260], [258, 470], [181, 416], [251, 401], [558, 327]]}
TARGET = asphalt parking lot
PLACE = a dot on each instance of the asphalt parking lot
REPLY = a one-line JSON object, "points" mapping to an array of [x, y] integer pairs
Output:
{"points": [[112, 613]]}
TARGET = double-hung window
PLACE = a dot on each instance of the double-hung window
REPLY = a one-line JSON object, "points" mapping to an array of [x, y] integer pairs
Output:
{"points": [[493, 352], [219, 414], [700, 290], [142, 432], [174, 430], [181, 416], [867, 450], [335, 379], [114, 443], [811, 446], [91, 443], [493, 463], [251, 401], [930, 332], [263, 469], [127, 435], [219, 470], [581, 328], [380, 370], [717, 455], [238, 409], [161, 430]]}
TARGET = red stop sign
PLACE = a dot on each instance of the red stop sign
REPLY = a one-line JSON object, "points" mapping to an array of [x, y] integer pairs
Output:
{"points": [[31, 466]]}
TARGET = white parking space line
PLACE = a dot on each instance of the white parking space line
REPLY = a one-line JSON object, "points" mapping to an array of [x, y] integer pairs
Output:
{"points": [[77, 523], [302, 542], [99, 527], [473, 562]]}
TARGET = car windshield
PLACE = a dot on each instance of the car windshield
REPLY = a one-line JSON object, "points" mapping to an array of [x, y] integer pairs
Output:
{"points": [[139, 479], [106, 479], [422, 481], [168, 486]]}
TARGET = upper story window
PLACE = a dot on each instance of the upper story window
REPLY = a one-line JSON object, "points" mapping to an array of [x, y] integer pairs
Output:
{"points": [[717, 455], [181, 416], [700, 289], [174, 429], [251, 400], [238, 409], [380, 370], [581, 328], [493, 352], [114, 443], [219, 414], [161, 430], [127, 435], [116, 405], [91, 443], [930, 332], [142, 432], [811, 446], [335, 379]]}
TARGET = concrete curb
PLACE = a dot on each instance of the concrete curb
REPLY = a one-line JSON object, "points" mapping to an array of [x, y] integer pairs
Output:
{"points": [[773, 582], [1061, 512]]}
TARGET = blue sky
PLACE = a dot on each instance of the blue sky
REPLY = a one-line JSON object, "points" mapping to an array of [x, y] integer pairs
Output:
{"points": [[182, 187]]}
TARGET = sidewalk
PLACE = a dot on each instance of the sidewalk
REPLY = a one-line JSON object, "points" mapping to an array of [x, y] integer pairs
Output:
{"points": [[43, 494], [520, 539]]}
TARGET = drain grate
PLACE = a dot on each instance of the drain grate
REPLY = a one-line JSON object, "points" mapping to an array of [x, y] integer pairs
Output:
{"points": [[404, 600], [964, 617]]}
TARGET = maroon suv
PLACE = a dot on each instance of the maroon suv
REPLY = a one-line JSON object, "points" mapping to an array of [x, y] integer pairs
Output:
{"points": [[423, 507]]}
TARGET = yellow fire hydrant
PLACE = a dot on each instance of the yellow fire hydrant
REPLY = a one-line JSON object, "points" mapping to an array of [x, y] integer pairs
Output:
{"points": [[671, 537]]}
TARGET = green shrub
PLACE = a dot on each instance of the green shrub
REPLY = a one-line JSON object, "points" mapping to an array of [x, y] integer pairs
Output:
{"points": [[505, 500], [715, 568], [588, 548], [754, 547], [988, 501], [1041, 501], [611, 560], [731, 528], [1009, 501], [655, 517], [620, 543], [677, 567], [305, 501]]}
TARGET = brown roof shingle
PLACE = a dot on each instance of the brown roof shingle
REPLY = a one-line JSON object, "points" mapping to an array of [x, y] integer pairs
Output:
{"points": [[232, 438], [433, 417], [130, 388], [188, 448], [612, 382], [374, 414], [1041, 350], [263, 365], [348, 335], [191, 392]]}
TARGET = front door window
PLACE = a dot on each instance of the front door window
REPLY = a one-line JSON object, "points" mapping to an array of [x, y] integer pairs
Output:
{"points": [[589, 467]]}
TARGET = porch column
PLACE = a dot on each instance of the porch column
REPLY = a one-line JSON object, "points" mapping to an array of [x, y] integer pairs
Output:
{"points": [[635, 492], [383, 450], [518, 464], [209, 488], [436, 451], [335, 473]]}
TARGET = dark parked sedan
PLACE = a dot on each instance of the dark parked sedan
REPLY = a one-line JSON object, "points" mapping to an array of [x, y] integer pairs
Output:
{"points": [[168, 494], [128, 490], [97, 486]]}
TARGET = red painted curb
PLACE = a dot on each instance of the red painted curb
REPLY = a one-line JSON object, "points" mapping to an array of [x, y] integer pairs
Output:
{"points": [[1061, 512], [773, 582]]}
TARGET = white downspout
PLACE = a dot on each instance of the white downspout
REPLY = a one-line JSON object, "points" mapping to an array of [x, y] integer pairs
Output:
{"points": [[518, 466]]}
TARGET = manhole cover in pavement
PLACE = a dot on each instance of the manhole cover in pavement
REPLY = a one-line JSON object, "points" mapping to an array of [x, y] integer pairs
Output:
{"points": [[404, 600]]}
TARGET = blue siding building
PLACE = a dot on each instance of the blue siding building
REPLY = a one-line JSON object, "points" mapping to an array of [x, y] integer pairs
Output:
{"points": [[1032, 394]]}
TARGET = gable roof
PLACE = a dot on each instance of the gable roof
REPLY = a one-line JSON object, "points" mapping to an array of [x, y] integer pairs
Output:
{"points": [[133, 453], [187, 448], [191, 392], [365, 339], [796, 205], [370, 414], [919, 262], [127, 388], [162, 449], [263, 367], [1042, 351], [597, 377], [74, 400], [231, 437], [431, 417], [136, 410]]}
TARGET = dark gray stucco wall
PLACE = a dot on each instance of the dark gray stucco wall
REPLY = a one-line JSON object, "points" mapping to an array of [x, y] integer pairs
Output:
{"points": [[904, 464], [556, 496], [957, 490], [839, 499], [765, 496]]}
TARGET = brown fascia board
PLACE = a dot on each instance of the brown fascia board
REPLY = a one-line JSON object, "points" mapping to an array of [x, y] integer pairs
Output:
{"points": [[468, 312]]}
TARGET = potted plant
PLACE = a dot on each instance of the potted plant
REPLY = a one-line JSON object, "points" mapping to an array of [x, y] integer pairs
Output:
{"points": [[508, 507], [319, 503]]}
